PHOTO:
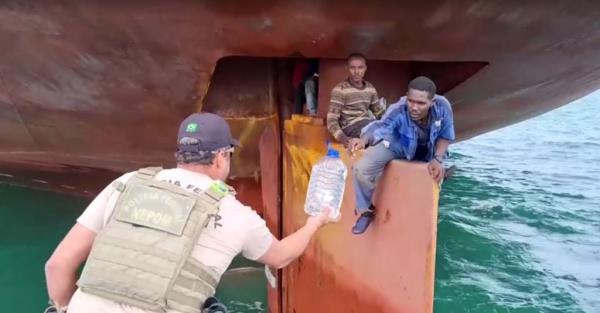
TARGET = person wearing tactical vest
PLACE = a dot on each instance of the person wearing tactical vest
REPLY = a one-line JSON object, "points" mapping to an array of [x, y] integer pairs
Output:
{"points": [[158, 240]]}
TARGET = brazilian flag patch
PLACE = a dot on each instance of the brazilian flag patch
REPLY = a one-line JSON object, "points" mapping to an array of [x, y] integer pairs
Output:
{"points": [[191, 128], [219, 188]]}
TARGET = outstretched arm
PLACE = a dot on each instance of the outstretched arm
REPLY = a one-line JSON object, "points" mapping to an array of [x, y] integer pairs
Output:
{"points": [[61, 268], [281, 253]]}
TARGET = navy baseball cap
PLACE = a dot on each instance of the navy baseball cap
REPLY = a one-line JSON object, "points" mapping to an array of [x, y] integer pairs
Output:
{"points": [[204, 132]]}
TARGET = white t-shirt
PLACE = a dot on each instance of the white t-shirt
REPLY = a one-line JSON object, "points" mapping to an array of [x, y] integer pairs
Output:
{"points": [[237, 228]]}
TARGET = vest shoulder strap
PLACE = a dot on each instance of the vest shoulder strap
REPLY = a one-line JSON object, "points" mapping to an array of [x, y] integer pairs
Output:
{"points": [[148, 172], [119, 186]]}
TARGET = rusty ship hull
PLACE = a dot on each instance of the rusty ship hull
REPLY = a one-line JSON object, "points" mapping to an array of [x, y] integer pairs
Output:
{"points": [[92, 89]]}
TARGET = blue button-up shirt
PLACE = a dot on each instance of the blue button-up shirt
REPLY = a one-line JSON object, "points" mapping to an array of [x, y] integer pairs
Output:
{"points": [[397, 128]]}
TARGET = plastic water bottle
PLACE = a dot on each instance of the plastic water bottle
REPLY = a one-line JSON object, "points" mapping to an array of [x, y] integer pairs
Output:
{"points": [[326, 185]]}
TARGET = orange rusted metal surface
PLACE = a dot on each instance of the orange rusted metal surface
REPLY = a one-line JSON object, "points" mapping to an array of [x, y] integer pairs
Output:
{"points": [[390, 268], [270, 162]]}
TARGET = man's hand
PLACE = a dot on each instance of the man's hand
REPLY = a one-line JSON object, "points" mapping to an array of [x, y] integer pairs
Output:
{"points": [[355, 144], [281, 253], [322, 219], [436, 170], [54, 309]]}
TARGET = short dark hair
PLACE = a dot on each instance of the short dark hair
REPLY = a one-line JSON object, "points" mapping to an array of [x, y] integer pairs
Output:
{"points": [[197, 157], [423, 83], [356, 55]]}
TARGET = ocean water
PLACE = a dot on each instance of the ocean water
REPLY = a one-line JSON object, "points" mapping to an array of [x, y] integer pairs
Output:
{"points": [[519, 226], [519, 223], [32, 223]]}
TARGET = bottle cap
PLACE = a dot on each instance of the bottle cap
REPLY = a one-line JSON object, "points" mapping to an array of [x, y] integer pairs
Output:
{"points": [[333, 153]]}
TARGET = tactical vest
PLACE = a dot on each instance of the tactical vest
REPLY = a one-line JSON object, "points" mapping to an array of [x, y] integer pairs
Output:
{"points": [[142, 257]]}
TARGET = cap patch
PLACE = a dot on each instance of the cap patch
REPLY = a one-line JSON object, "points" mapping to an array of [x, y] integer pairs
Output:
{"points": [[191, 128]]}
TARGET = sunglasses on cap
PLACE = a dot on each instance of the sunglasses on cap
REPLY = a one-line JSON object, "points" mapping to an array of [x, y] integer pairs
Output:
{"points": [[227, 151]]}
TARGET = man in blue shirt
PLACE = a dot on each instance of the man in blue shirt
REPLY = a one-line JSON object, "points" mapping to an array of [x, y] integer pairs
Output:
{"points": [[419, 127]]}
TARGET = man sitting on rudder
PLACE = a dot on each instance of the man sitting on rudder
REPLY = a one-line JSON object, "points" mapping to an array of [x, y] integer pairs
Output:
{"points": [[420, 129]]}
